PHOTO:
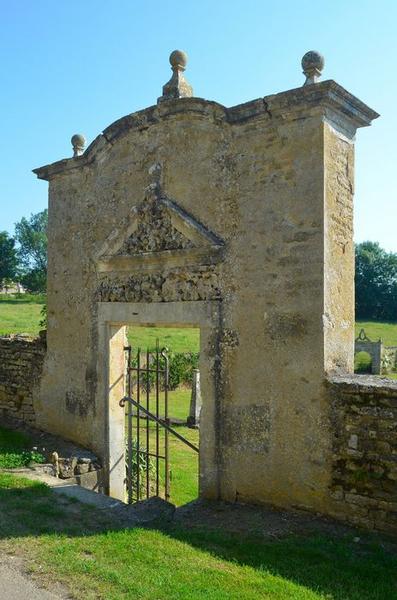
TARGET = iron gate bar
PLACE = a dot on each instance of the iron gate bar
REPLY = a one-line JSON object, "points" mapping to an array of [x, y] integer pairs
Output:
{"points": [[161, 422], [147, 425], [129, 458], [157, 415], [167, 422], [138, 427]]}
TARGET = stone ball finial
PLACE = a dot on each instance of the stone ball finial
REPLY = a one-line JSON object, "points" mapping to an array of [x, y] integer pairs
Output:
{"points": [[177, 86], [78, 142], [312, 65], [178, 59]]}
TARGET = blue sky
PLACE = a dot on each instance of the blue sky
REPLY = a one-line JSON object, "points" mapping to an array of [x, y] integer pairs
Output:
{"points": [[77, 65]]}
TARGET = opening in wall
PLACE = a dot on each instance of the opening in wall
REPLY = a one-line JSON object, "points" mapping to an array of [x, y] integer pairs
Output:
{"points": [[162, 413]]}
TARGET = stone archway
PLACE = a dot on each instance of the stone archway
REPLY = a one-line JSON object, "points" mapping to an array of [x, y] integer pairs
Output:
{"points": [[374, 349]]}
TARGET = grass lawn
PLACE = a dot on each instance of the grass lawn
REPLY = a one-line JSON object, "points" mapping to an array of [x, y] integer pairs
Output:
{"points": [[183, 460], [18, 315], [22, 315], [374, 330], [77, 545], [178, 340]]}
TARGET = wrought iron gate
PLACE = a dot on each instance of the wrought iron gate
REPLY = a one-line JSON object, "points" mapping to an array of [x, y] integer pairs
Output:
{"points": [[148, 425]]}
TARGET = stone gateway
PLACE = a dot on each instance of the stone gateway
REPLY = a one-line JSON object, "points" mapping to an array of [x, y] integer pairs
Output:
{"points": [[238, 221]]}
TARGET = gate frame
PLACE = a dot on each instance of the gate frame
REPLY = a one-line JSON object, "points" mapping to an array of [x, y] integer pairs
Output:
{"points": [[113, 317]]}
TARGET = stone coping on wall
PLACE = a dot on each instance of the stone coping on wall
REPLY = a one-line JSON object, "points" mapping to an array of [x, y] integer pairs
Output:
{"points": [[365, 384], [24, 337], [328, 96]]}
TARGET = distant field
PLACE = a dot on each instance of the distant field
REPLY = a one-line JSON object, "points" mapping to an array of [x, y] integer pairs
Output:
{"points": [[22, 315], [177, 340], [374, 330]]}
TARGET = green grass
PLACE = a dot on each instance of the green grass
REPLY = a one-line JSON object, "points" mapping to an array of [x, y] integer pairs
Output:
{"points": [[183, 460], [184, 467], [178, 403], [15, 450], [178, 340], [374, 330], [20, 314], [81, 547]]}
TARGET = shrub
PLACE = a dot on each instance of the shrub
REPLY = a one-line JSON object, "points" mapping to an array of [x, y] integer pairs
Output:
{"points": [[43, 320], [180, 369], [146, 465], [12, 458], [15, 451]]}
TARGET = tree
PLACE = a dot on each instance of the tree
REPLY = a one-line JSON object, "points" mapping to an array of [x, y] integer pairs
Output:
{"points": [[8, 259], [376, 282], [31, 235]]}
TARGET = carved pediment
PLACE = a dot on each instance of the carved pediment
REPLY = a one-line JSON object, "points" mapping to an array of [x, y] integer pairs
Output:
{"points": [[158, 232]]}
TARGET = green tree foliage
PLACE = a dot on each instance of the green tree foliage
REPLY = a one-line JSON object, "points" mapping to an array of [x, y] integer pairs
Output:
{"points": [[8, 259], [31, 235], [376, 283]]}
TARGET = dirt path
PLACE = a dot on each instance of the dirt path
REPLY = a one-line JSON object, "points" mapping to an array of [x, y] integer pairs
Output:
{"points": [[16, 585]]}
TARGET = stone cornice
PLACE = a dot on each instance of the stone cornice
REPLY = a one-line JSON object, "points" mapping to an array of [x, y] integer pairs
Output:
{"points": [[325, 95], [364, 384], [332, 100], [151, 261]]}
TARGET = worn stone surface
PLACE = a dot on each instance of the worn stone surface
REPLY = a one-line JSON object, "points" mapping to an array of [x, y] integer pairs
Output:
{"points": [[21, 364], [155, 232], [252, 221], [198, 283], [177, 86], [364, 473]]}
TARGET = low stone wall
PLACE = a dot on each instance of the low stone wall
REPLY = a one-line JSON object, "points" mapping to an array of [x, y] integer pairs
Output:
{"points": [[364, 481], [21, 364]]}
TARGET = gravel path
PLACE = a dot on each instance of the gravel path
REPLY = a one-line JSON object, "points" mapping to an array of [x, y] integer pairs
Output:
{"points": [[14, 585]]}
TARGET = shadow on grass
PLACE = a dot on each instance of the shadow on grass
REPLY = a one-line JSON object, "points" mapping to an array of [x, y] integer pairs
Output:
{"points": [[337, 568], [21, 301]]}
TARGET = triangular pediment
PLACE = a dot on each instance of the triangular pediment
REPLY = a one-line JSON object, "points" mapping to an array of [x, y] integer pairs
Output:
{"points": [[156, 232]]}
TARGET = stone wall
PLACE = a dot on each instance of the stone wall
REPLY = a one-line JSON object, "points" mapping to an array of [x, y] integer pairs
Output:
{"points": [[364, 477], [21, 364]]}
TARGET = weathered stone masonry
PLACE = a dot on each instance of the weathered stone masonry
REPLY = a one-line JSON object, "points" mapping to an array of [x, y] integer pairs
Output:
{"points": [[238, 221], [364, 476], [21, 364]]}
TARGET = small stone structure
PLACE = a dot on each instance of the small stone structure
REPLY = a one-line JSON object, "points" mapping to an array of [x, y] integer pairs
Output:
{"points": [[12, 288], [383, 357], [374, 349], [193, 419], [364, 473], [238, 221], [21, 365]]}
